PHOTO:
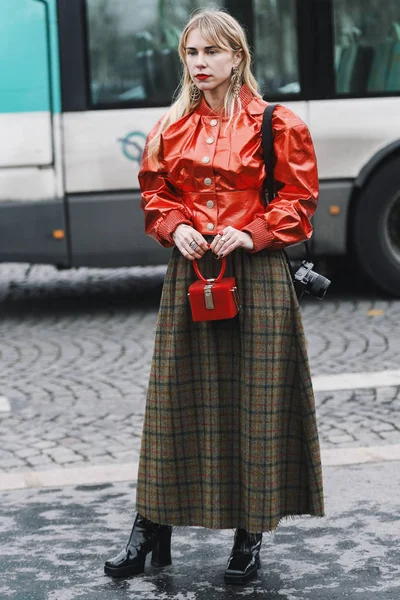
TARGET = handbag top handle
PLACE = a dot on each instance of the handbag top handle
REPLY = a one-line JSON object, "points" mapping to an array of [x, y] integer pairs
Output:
{"points": [[220, 276]]}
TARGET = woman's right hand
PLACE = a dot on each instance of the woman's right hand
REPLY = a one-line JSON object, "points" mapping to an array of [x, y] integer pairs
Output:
{"points": [[186, 238]]}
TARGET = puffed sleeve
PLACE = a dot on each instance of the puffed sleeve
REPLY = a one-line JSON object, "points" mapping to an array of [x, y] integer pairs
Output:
{"points": [[286, 220], [161, 200]]}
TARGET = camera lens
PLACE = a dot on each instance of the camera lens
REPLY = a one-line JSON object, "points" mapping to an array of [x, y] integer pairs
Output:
{"points": [[318, 284]]}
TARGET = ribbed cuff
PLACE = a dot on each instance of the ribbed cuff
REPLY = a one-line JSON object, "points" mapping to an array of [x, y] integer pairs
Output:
{"points": [[168, 225], [262, 237]]}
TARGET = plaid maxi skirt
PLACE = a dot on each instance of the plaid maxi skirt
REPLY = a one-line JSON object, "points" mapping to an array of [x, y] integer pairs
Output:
{"points": [[230, 436]]}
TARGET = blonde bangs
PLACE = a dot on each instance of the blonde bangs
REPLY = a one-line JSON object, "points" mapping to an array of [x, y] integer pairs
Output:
{"points": [[216, 28]]}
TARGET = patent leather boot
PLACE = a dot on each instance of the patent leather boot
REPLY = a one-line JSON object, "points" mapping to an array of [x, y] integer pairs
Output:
{"points": [[145, 537], [245, 557]]}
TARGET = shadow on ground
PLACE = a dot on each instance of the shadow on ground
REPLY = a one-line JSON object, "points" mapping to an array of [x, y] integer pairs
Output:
{"points": [[36, 289], [40, 288]]}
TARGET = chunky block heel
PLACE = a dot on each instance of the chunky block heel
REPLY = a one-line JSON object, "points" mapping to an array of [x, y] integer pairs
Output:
{"points": [[145, 537], [244, 560], [161, 556]]}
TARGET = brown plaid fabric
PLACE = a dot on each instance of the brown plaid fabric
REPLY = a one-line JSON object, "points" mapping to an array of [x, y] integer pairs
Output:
{"points": [[230, 435]]}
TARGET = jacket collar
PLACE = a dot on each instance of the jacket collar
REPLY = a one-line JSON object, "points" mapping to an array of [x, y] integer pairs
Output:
{"points": [[204, 109]]}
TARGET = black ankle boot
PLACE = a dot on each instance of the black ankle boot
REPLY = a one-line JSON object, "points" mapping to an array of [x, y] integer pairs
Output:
{"points": [[145, 537], [245, 557]]}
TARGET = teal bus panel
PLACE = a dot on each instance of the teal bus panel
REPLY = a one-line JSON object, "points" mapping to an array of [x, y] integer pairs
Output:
{"points": [[54, 56], [29, 79]]}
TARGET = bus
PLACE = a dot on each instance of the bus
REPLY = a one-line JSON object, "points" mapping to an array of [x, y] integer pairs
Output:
{"points": [[83, 81]]}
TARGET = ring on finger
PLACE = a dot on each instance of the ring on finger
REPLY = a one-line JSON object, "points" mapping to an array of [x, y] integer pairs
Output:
{"points": [[193, 245], [222, 238]]}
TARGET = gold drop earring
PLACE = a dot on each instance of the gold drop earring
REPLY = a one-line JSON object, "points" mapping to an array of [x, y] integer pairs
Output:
{"points": [[194, 93], [236, 80]]}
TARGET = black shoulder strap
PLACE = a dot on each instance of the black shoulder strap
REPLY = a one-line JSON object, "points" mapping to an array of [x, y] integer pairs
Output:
{"points": [[267, 139]]}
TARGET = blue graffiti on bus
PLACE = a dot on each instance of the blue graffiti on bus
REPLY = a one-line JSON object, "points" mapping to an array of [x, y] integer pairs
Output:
{"points": [[133, 145]]}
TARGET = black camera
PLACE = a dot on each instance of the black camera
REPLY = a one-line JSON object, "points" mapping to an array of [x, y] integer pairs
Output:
{"points": [[308, 281]]}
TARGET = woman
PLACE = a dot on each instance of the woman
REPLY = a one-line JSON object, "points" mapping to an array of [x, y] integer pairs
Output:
{"points": [[230, 437]]}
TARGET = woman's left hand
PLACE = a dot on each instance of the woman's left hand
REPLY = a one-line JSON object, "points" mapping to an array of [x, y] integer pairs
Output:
{"points": [[229, 239]]}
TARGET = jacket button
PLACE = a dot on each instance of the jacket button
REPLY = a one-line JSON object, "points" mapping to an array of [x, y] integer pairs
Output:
{"points": [[213, 122], [208, 181], [210, 140], [210, 226], [210, 204], [205, 160]]}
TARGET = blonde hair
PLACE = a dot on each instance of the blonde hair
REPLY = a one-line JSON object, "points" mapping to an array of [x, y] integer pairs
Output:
{"points": [[220, 29]]}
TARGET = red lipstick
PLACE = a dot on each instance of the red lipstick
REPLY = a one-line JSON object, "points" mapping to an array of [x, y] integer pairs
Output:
{"points": [[202, 77]]}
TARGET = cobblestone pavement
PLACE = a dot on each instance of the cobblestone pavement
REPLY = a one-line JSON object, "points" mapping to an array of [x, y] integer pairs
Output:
{"points": [[75, 351]]}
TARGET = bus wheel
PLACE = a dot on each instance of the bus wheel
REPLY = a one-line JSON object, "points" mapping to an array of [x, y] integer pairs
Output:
{"points": [[376, 228]]}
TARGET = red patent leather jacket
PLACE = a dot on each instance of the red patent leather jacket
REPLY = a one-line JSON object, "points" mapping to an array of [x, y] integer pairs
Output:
{"points": [[210, 174]]}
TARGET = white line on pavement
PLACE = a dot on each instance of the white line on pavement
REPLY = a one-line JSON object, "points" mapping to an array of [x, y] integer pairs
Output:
{"points": [[340, 457], [114, 473], [53, 478], [4, 404], [353, 381]]}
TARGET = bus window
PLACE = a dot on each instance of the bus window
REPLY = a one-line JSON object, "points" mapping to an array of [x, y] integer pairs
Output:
{"points": [[367, 46], [132, 49], [275, 47]]}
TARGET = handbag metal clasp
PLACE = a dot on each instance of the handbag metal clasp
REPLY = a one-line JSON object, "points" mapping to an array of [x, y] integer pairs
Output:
{"points": [[236, 297], [208, 297]]}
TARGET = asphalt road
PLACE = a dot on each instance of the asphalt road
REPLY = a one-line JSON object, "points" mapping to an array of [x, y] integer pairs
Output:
{"points": [[54, 543]]}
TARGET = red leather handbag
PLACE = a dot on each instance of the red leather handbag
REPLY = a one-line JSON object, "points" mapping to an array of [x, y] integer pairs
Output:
{"points": [[213, 299]]}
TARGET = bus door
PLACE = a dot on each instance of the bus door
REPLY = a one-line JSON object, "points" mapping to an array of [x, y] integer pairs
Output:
{"points": [[31, 203], [360, 116], [356, 130]]}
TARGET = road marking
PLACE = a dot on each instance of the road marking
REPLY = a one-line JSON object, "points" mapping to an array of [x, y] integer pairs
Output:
{"points": [[353, 381], [54, 478], [115, 473], [340, 457], [4, 404]]}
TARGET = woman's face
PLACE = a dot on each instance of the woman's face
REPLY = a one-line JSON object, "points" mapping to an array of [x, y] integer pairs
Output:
{"points": [[210, 67]]}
